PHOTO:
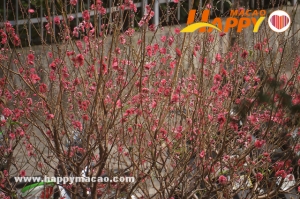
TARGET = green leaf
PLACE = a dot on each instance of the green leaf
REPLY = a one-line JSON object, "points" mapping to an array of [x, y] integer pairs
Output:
{"points": [[250, 53], [130, 149], [15, 123]]}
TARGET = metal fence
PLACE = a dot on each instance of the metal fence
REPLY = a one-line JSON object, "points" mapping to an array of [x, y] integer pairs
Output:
{"points": [[36, 23], [12, 8]]}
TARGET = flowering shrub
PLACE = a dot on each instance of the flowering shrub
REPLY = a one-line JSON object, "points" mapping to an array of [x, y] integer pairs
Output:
{"points": [[181, 117]]}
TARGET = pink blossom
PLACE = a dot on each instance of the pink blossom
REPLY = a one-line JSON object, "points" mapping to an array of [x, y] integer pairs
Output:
{"points": [[152, 27], [171, 40], [141, 23], [50, 54], [202, 154], [50, 116], [178, 52], [16, 40], [258, 46], [256, 79], [267, 50], [43, 88], [172, 64], [296, 100], [178, 136], [221, 119], [253, 119], [120, 149], [222, 34], [102, 10], [218, 57], [247, 78], [77, 125], [7, 112], [118, 51], [30, 62], [122, 39], [210, 38], [163, 38], [163, 50], [85, 117], [30, 11], [22, 173], [47, 26], [12, 136], [29, 101], [73, 2], [244, 54], [222, 179], [40, 164], [30, 57], [175, 98], [84, 105], [53, 65], [130, 32], [217, 78], [153, 104], [208, 6], [259, 143], [71, 18], [29, 147], [119, 104], [34, 78], [176, 1], [189, 121], [4, 38], [115, 64], [57, 20], [86, 15], [281, 173], [297, 148], [22, 133], [241, 8], [259, 176], [298, 188], [80, 59]]}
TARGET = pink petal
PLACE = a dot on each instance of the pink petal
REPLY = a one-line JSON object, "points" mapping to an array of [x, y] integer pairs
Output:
{"points": [[31, 10]]}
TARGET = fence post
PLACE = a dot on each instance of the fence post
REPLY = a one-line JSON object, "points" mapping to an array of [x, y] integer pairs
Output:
{"points": [[42, 28], [156, 13], [144, 3], [178, 11], [17, 16], [29, 25], [53, 15], [221, 38], [4, 10], [77, 8]]}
